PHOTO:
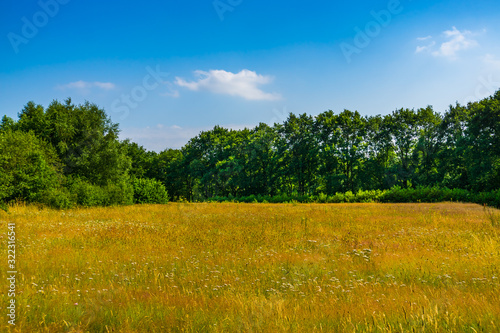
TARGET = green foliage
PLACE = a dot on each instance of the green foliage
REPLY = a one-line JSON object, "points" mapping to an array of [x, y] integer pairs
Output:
{"points": [[85, 194], [119, 193], [84, 138], [483, 138], [396, 194], [141, 160], [166, 167], [59, 198], [71, 155], [88, 195], [7, 124], [299, 149], [28, 167], [149, 191]]}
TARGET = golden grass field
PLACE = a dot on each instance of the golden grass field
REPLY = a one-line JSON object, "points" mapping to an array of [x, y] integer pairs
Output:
{"points": [[256, 268]]}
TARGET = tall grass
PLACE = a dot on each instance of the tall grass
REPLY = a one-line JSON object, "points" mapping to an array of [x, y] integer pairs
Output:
{"points": [[222, 267], [492, 215]]}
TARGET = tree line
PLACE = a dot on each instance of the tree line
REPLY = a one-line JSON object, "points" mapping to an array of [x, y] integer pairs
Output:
{"points": [[69, 154]]}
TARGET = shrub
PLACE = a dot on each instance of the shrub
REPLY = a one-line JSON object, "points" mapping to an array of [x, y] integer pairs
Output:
{"points": [[368, 196], [121, 193], [322, 198], [59, 198], [349, 197], [149, 191], [86, 194], [336, 198], [395, 194]]}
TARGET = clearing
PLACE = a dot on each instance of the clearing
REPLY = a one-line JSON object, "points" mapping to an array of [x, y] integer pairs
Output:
{"points": [[223, 267]]}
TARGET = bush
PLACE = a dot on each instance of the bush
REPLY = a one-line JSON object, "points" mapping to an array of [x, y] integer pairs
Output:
{"points": [[322, 198], [86, 194], [395, 194], [120, 193], [336, 198], [57, 198], [149, 191], [368, 196]]}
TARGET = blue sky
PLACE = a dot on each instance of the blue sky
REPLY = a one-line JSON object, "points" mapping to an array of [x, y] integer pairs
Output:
{"points": [[165, 70]]}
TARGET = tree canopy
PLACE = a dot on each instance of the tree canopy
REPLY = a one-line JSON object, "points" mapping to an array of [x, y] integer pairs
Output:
{"points": [[73, 151]]}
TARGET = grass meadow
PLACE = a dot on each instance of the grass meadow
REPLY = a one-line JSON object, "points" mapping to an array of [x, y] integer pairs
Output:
{"points": [[225, 267]]}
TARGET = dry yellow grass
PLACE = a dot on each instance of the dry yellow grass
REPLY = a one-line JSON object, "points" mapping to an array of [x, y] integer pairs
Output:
{"points": [[256, 268]]}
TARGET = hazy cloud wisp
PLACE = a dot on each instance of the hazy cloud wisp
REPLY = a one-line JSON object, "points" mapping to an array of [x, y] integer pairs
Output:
{"points": [[492, 61], [85, 86], [244, 84], [456, 41]]}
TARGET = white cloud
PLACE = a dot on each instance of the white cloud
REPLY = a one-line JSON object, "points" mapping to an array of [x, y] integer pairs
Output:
{"points": [[457, 41], [424, 38], [105, 85], [425, 48], [243, 84], [84, 86], [76, 85], [454, 41]]}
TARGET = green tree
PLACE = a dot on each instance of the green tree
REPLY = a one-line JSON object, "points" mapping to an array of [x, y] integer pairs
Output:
{"points": [[29, 167], [344, 149], [452, 155], [426, 153], [483, 137], [260, 161], [141, 160], [329, 168], [84, 138], [380, 156], [202, 153], [403, 126], [350, 147], [298, 152], [167, 167], [32, 118], [7, 123]]}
